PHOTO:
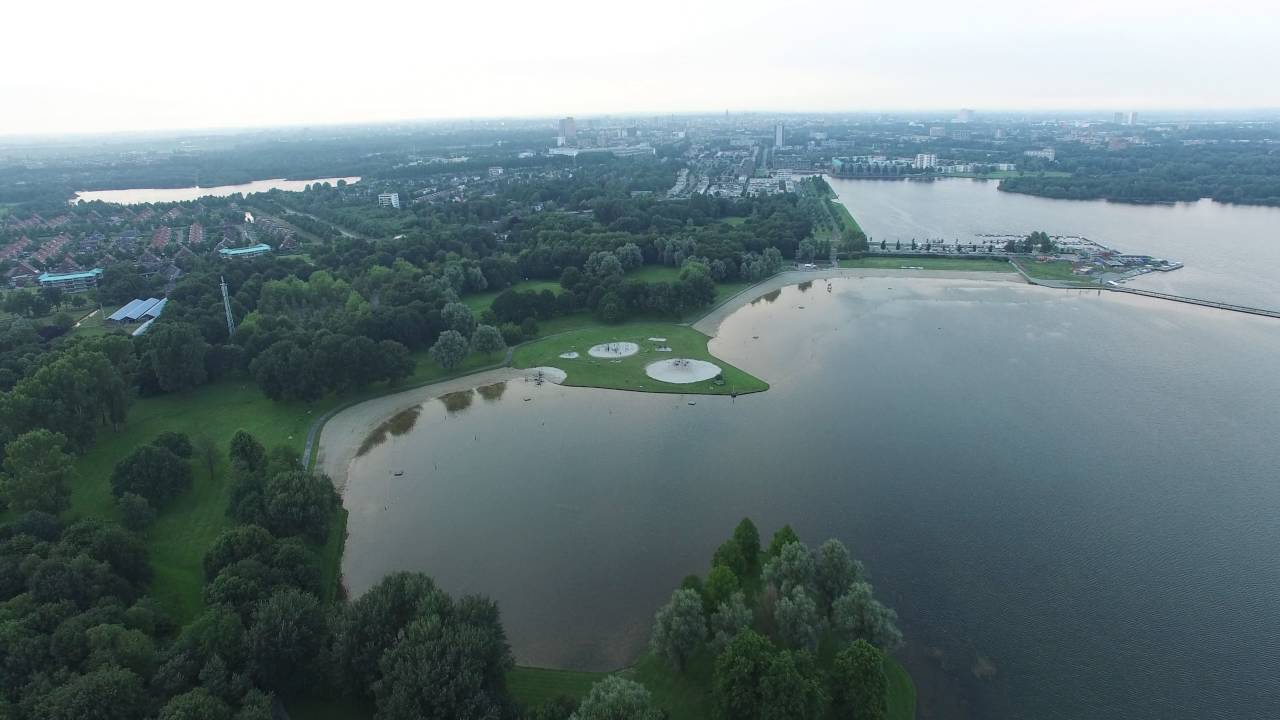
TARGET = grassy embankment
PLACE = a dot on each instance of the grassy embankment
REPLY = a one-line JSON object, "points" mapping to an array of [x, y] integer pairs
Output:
{"points": [[1002, 174], [928, 263], [628, 373]]}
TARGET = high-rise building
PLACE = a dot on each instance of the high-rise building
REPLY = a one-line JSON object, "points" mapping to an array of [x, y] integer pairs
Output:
{"points": [[568, 131], [778, 135], [924, 161], [965, 115], [1132, 119], [1118, 118], [389, 200]]}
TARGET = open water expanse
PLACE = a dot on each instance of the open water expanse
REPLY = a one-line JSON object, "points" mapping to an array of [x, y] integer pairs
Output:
{"points": [[137, 196], [1078, 489], [1232, 252]]}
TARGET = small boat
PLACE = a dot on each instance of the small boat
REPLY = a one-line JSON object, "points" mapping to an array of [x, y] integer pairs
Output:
{"points": [[398, 473], [692, 402]]}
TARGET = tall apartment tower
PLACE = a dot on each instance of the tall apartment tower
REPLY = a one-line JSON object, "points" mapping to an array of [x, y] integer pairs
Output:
{"points": [[1132, 119], [778, 135], [569, 131]]}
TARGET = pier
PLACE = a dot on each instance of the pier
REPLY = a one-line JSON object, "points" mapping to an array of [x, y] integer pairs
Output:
{"points": [[1195, 301]]}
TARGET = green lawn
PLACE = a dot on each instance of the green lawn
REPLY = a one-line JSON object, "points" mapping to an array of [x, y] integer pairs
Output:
{"points": [[733, 220], [928, 263], [533, 686], [1054, 271], [185, 529], [1002, 174], [628, 373]]}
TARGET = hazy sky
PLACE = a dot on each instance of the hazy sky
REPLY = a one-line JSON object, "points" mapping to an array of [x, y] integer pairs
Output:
{"points": [[143, 65]]}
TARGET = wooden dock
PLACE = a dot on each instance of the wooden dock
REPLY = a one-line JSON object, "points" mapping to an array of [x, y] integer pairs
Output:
{"points": [[1195, 301]]}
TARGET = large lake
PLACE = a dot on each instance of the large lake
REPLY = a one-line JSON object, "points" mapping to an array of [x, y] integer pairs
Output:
{"points": [[138, 196], [1082, 488], [1232, 252]]}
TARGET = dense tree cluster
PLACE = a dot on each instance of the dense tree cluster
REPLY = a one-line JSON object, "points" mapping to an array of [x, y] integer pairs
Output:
{"points": [[762, 614]]}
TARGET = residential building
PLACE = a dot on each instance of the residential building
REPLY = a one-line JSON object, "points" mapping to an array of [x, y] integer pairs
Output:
{"points": [[779, 135], [937, 131], [389, 199], [1046, 153], [72, 282], [496, 172], [244, 252], [1132, 118], [924, 161]]}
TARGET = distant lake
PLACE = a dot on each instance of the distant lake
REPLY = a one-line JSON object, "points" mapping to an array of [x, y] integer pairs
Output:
{"points": [[1078, 488], [1232, 252], [138, 196]]}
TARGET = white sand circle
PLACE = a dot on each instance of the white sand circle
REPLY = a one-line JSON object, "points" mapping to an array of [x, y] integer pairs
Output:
{"points": [[658, 339], [571, 355], [613, 350], [547, 374], [681, 370]]}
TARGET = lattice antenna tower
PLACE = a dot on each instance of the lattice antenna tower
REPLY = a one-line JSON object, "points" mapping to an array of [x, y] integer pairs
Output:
{"points": [[226, 305]]}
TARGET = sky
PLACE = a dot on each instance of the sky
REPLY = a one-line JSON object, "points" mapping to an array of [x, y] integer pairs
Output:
{"points": [[142, 65]]}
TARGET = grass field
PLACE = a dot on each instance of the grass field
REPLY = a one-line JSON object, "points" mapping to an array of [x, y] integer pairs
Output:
{"points": [[1054, 271], [628, 373], [1002, 174], [534, 686], [928, 263], [185, 529], [733, 220]]}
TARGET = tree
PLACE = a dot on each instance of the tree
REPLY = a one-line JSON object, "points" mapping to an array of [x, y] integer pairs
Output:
{"points": [[198, 704], [450, 349], [395, 361], [615, 698], [630, 257], [376, 620], [793, 567], [790, 689], [135, 512], [834, 573], [798, 621], [459, 318], [152, 472], [783, 537], [116, 645], [740, 668], [447, 667], [859, 686], [486, 339], [37, 473], [747, 538], [175, 442], [679, 628], [730, 618], [858, 615], [721, 584], [176, 352], [601, 265], [299, 503], [285, 638], [111, 693]]}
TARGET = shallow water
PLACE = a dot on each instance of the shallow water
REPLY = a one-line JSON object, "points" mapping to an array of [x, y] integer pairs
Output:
{"points": [[1231, 252], [1071, 492]]}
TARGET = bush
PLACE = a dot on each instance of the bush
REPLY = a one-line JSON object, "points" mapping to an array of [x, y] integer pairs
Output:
{"points": [[135, 512], [153, 472]]}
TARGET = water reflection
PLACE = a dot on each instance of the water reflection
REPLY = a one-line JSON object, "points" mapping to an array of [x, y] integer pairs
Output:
{"points": [[492, 393], [398, 424], [456, 402]]}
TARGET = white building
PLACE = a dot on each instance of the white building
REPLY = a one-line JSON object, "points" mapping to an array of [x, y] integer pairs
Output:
{"points": [[1047, 153], [924, 161], [568, 132], [778, 135], [389, 200], [495, 172]]}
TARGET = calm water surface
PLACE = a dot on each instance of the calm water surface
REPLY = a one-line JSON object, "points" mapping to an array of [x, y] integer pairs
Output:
{"points": [[1080, 488], [1232, 252], [156, 195]]}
